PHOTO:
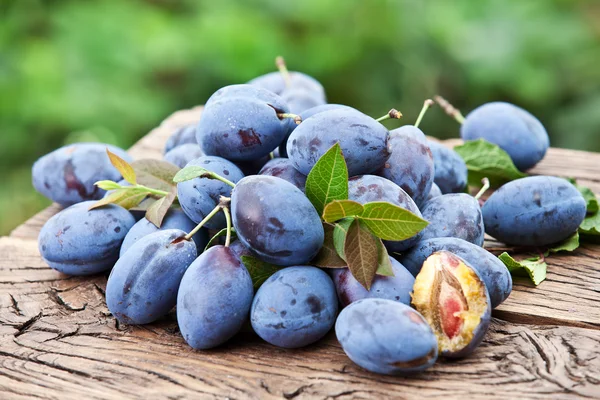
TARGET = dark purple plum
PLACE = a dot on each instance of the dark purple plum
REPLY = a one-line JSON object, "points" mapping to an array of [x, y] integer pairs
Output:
{"points": [[214, 298], [142, 287], [184, 135], [515, 130], [386, 337], [183, 154], [252, 167], [492, 271], [274, 82], [284, 169], [199, 196], [362, 139], [275, 220], [534, 211], [67, 175], [295, 307], [175, 219], [434, 192], [454, 215], [369, 188], [410, 164], [78, 241], [300, 99], [453, 299], [450, 169], [397, 287], [241, 123]]}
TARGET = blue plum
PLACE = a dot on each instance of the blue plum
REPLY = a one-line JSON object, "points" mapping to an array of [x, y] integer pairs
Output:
{"points": [[284, 169], [275, 220], [199, 196], [450, 169], [67, 175], [534, 211], [239, 249], [397, 287], [274, 82], [299, 99], [183, 154], [515, 130], [175, 219], [184, 135], [78, 241], [369, 188], [362, 139], [451, 296], [492, 271], [386, 337], [454, 215], [214, 298], [295, 307], [241, 123], [410, 164], [142, 287], [252, 167], [433, 193]]}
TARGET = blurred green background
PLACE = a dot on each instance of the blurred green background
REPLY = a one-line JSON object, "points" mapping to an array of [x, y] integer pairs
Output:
{"points": [[111, 70]]}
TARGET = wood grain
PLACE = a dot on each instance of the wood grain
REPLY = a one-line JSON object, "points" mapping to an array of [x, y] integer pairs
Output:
{"points": [[58, 340]]}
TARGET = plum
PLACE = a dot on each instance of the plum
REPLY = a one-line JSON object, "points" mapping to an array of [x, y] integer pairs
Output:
{"points": [[199, 196], [214, 298], [275, 220], [274, 82], [174, 219], [184, 135], [397, 287], [369, 188], [362, 139], [534, 211], [142, 287], [410, 164], [67, 175], [450, 169], [284, 169], [492, 271], [386, 337], [78, 241], [434, 192], [513, 129], [454, 215], [294, 307], [451, 296], [183, 154]]}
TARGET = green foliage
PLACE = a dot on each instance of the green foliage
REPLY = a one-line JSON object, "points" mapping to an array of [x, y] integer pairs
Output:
{"points": [[109, 71]]}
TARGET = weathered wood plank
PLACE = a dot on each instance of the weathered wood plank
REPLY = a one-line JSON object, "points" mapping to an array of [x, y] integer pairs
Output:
{"points": [[58, 340]]}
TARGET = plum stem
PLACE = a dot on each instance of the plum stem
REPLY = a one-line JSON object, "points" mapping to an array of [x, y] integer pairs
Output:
{"points": [[393, 114], [157, 192], [280, 63], [450, 109], [220, 178], [204, 221], [228, 219], [297, 119], [484, 188], [428, 103]]}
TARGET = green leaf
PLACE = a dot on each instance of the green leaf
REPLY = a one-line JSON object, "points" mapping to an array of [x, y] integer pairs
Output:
{"points": [[215, 239], [569, 244], [339, 236], [259, 270], [328, 179], [126, 198], [124, 168], [487, 160], [157, 211], [191, 172], [534, 268], [107, 185], [155, 174], [328, 256], [361, 253], [340, 209], [590, 225], [384, 265], [390, 222], [590, 197]]}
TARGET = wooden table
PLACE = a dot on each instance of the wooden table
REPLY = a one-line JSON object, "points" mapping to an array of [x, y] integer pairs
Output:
{"points": [[59, 341]]}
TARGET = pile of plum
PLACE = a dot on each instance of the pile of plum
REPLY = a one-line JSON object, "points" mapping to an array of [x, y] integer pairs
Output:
{"points": [[257, 174]]}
